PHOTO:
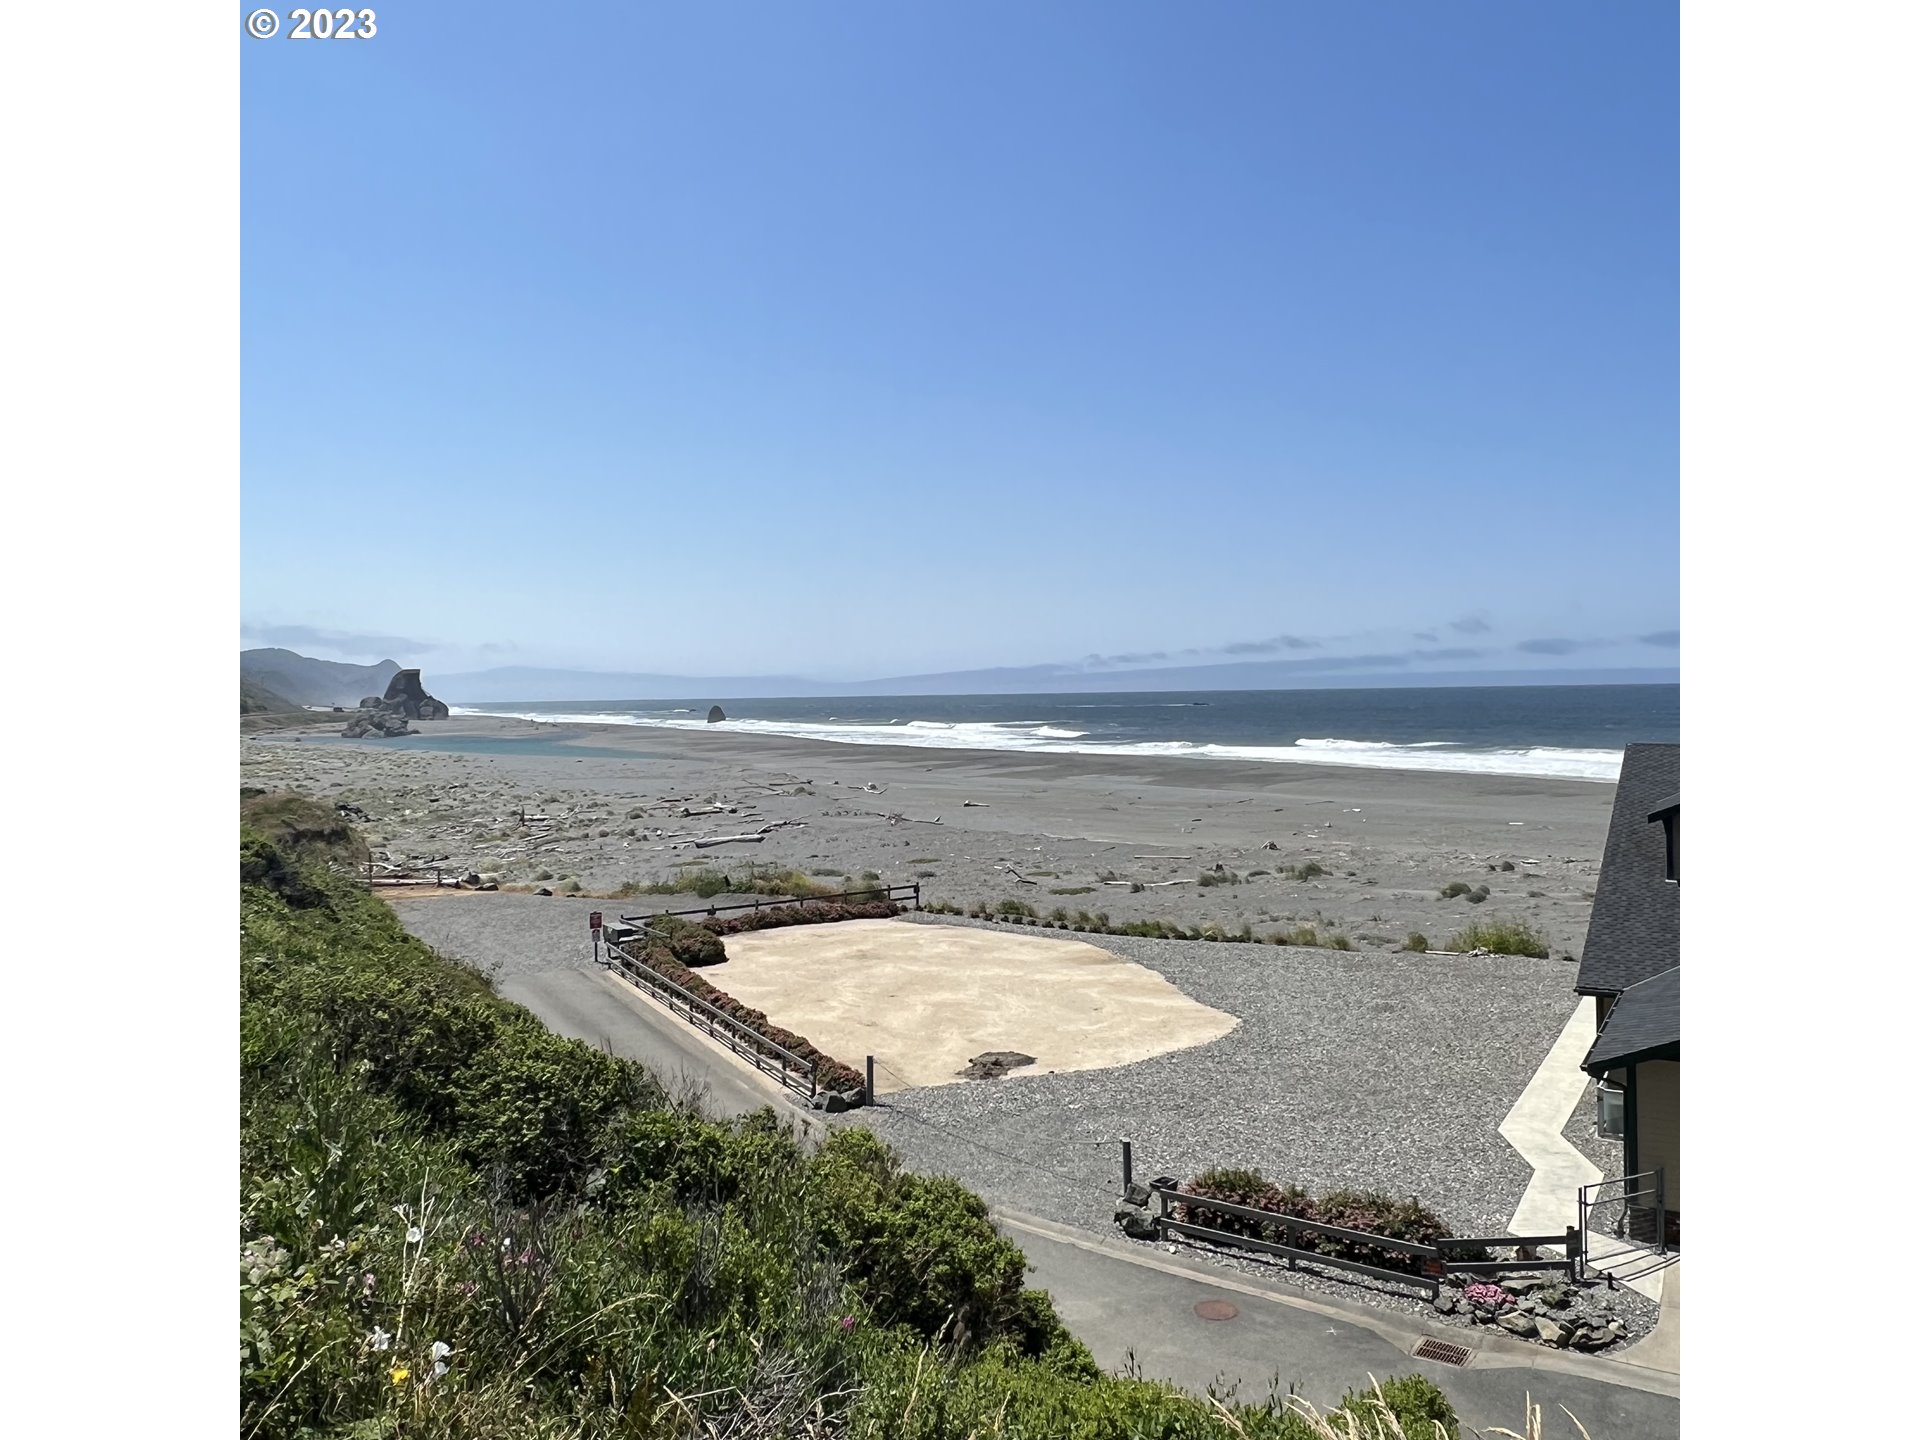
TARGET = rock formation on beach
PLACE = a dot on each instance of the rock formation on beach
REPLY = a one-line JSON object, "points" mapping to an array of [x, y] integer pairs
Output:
{"points": [[387, 715], [716, 715]]}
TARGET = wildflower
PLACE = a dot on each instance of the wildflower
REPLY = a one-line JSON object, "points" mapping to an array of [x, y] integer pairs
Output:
{"points": [[413, 1234], [367, 1282], [380, 1339], [439, 1368], [399, 1374], [846, 1322], [440, 1349]]}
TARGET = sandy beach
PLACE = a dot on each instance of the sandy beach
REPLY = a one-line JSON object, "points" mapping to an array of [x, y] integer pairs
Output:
{"points": [[1066, 832]]}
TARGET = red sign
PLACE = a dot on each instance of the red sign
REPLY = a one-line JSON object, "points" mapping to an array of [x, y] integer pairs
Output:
{"points": [[593, 921]]}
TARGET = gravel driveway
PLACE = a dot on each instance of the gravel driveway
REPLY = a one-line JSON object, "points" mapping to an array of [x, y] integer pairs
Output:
{"points": [[1365, 1069]]}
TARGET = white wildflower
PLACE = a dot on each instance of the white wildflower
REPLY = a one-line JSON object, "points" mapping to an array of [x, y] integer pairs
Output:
{"points": [[414, 1233], [440, 1349], [380, 1339]]}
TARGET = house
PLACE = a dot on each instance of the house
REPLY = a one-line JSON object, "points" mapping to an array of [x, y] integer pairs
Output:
{"points": [[1631, 967]]}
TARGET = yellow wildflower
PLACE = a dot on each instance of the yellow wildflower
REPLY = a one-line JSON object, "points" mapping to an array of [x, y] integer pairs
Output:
{"points": [[400, 1373]]}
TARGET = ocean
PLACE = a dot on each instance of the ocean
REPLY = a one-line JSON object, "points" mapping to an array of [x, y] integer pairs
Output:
{"points": [[1566, 732]]}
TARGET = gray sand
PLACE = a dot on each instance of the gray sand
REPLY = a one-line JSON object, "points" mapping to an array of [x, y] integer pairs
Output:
{"points": [[1390, 839]]}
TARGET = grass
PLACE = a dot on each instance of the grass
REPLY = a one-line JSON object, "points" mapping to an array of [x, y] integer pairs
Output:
{"points": [[1416, 942], [1455, 888], [1210, 878], [1502, 937], [1071, 889], [1312, 870], [754, 880]]}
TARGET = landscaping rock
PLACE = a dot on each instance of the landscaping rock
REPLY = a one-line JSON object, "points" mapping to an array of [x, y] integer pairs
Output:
{"points": [[1445, 1302], [1553, 1333], [1134, 1222], [1138, 1194], [1522, 1284], [1516, 1324]]}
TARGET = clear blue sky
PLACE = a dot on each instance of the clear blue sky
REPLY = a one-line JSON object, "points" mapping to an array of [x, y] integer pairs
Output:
{"points": [[853, 339]]}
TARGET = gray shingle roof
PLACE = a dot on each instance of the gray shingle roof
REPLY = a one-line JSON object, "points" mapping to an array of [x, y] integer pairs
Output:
{"points": [[1644, 1025], [1635, 929]]}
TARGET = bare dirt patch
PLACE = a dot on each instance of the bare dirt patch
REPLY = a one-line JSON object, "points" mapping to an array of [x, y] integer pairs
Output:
{"points": [[927, 1000]]}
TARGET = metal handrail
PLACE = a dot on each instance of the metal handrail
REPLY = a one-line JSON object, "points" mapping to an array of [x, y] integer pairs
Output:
{"points": [[757, 1044]]}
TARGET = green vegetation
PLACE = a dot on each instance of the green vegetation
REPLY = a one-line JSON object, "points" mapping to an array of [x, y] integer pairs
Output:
{"points": [[1071, 890], [1312, 870], [1454, 888], [1210, 878], [455, 1223], [1416, 942], [754, 880], [1367, 1211], [1502, 937]]}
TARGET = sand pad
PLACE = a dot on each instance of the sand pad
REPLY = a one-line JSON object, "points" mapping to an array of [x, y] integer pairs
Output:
{"points": [[924, 999]]}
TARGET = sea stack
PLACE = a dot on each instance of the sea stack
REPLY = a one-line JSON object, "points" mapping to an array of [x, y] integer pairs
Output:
{"points": [[716, 715]]}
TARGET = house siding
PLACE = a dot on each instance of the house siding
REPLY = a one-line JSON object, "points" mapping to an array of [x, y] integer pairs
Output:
{"points": [[1658, 1083]]}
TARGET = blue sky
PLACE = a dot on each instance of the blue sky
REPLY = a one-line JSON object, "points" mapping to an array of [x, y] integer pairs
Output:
{"points": [[853, 339]]}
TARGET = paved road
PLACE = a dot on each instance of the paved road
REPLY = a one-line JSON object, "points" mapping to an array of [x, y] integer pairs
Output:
{"points": [[593, 1006], [1126, 1308], [1132, 1305]]}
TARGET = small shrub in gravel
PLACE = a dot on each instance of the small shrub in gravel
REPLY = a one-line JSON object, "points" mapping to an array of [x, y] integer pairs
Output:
{"points": [[1502, 937], [1454, 889], [1417, 943], [688, 943], [818, 913]]}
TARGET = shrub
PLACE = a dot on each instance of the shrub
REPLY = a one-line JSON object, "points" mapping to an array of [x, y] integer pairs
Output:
{"points": [[1455, 888], [1478, 895], [1502, 937], [1070, 890], [818, 912], [688, 943], [1367, 1211], [1312, 870], [1209, 878], [1016, 909], [1416, 942]]}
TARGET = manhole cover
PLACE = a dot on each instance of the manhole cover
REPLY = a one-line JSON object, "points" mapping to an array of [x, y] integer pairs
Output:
{"points": [[1443, 1352], [1216, 1310]]}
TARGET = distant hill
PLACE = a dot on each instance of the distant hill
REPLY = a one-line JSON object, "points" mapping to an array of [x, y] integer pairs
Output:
{"points": [[528, 684], [306, 681]]}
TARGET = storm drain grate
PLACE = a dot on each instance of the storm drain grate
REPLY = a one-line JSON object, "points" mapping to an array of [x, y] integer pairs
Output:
{"points": [[1443, 1352], [1216, 1310]]}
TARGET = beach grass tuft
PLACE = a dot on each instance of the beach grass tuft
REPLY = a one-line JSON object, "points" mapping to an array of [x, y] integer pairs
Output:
{"points": [[1502, 936]]}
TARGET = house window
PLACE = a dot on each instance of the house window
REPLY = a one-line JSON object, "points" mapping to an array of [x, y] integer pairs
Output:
{"points": [[1612, 1120]]}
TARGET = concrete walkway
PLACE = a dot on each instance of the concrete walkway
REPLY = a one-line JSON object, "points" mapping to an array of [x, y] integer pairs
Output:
{"points": [[1552, 1199]]}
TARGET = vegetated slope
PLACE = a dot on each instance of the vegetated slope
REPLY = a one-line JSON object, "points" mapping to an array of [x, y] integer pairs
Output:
{"points": [[455, 1223], [307, 681], [257, 699]]}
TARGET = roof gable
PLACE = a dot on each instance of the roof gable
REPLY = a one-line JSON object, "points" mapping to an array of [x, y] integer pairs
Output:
{"points": [[1634, 932], [1644, 1025]]}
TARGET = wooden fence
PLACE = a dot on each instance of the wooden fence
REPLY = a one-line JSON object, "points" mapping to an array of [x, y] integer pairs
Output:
{"points": [[895, 894], [767, 1056], [1435, 1261]]}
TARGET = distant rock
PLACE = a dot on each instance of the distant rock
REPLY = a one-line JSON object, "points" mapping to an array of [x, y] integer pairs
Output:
{"points": [[716, 715], [387, 715]]}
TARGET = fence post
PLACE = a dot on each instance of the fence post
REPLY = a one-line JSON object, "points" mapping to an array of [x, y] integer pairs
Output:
{"points": [[1126, 1166], [1576, 1253], [1660, 1206], [916, 896], [869, 1079]]}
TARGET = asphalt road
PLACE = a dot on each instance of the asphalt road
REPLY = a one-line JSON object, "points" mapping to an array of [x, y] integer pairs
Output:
{"points": [[594, 1006], [1138, 1312]]}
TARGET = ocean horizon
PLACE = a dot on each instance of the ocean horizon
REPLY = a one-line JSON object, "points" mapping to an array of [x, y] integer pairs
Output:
{"points": [[1561, 732]]}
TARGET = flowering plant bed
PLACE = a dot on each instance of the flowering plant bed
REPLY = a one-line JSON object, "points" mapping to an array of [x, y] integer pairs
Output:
{"points": [[828, 1073], [1362, 1210]]}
